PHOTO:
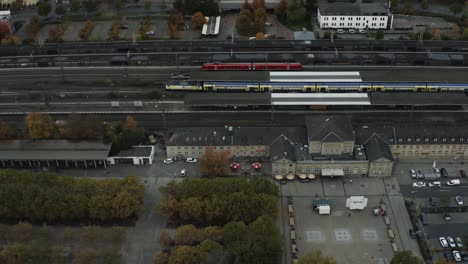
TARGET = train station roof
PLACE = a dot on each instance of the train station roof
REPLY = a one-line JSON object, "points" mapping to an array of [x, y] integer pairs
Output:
{"points": [[320, 99], [256, 76], [437, 74], [418, 99]]}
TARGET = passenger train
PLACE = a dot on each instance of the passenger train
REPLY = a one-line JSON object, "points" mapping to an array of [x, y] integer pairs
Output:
{"points": [[252, 66], [311, 87]]}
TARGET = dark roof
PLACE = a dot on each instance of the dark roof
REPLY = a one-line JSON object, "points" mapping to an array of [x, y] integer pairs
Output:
{"points": [[416, 75], [219, 136], [352, 9], [376, 149], [135, 151], [222, 99], [282, 147], [53, 150], [329, 129], [418, 98]]}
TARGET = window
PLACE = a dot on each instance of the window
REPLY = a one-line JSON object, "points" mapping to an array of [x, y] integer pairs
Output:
{"points": [[341, 24], [325, 24], [358, 24], [342, 18], [333, 18], [382, 24], [382, 18], [409, 139], [325, 18], [350, 24], [418, 139], [333, 24], [435, 139], [373, 24], [426, 139]]}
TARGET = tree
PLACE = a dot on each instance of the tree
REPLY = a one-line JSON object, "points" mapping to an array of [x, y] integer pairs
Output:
{"points": [[147, 6], [280, 10], [41, 126], [425, 4], [119, 4], [5, 29], [198, 20], [44, 8], [265, 239], [130, 123], [14, 253], [246, 5], [75, 6], [86, 256], [90, 6], [68, 234], [125, 205], [186, 235], [258, 4], [23, 231], [456, 7], [11, 40], [161, 258], [45, 233], [465, 34], [6, 131], [206, 247], [191, 209], [169, 209], [214, 164], [60, 9], [259, 35], [394, 3], [296, 12], [173, 22], [116, 235], [184, 255], [80, 127], [213, 233], [316, 257], [405, 257], [379, 34], [260, 18], [100, 207], [165, 239]]}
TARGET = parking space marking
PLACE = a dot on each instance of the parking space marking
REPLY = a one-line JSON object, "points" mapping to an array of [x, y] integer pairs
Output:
{"points": [[314, 236], [342, 235], [370, 234]]}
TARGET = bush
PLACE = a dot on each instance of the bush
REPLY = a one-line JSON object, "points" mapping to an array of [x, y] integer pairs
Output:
{"points": [[114, 32], [34, 27], [85, 32], [145, 26]]}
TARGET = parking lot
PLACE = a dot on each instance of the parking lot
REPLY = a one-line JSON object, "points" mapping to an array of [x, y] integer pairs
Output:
{"points": [[443, 202]]}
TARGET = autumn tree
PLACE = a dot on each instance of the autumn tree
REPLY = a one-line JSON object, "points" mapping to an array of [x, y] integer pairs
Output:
{"points": [[260, 18], [14, 253], [186, 235], [125, 205], [5, 29], [130, 122], [68, 234], [206, 247], [191, 209], [258, 4], [316, 257], [259, 35], [23, 231], [246, 5], [296, 12], [11, 40], [116, 235], [184, 255], [175, 19], [169, 208], [6, 131], [280, 10], [80, 127], [198, 20], [86, 256], [41, 126], [405, 257], [211, 233], [161, 257], [214, 164], [165, 239]]}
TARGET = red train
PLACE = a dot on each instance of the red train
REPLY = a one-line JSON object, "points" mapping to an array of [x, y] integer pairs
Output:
{"points": [[252, 66]]}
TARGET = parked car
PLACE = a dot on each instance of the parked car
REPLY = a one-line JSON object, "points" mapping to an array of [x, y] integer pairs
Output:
{"points": [[453, 182], [436, 184], [150, 33], [459, 200], [182, 172], [447, 217], [168, 160], [459, 242], [352, 31], [362, 31], [412, 233], [456, 255], [462, 173], [443, 172], [340, 31], [443, 242], [436, 171], [268, 24], [451, 242], [191, 160], [419, 184], [412, 173], [432, 201], [419, 174]]}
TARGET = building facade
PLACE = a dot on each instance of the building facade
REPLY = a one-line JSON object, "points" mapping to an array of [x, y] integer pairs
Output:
{"points": [[354, 16], [137, 155]]}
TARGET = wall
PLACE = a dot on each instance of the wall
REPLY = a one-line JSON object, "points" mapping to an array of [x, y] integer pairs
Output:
{"points": [[256, 151], [358, 22], [355, 167], [428, 151], [380, 168], [283, 167]]}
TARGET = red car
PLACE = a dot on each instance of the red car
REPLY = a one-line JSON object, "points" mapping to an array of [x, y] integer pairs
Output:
{"points": [[462, 173]]}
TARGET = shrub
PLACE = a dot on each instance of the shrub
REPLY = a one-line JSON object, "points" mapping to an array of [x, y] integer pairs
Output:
{"points": [[86, 30]]}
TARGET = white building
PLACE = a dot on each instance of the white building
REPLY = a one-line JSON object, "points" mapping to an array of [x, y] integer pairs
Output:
{"points": [[136, 155], [356, 16]]}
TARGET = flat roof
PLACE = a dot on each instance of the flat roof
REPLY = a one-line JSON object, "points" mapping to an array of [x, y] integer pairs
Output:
{"points": [[319, 76], [320, 99], [212, 26], [53, 150], [418, 99], [433, 74], [223, 99], [135, 151]]}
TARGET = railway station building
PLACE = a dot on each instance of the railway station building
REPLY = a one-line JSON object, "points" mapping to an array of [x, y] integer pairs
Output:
{"points": [[354, 16], [53, 153]]}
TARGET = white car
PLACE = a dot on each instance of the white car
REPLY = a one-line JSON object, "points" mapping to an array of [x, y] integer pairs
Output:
{"points": [[191, 160], [412, 173], [150, 33], [453, 182], [443, 242], [352, 31], [362, 31], [436, 184], [456, 256], [419, 184], [459, 200], [340, 31], [168, 160], [451, 242]]}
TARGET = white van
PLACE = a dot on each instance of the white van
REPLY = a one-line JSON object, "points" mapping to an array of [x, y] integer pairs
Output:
{"points": [[453, 182], [182, 173]]}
